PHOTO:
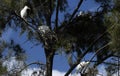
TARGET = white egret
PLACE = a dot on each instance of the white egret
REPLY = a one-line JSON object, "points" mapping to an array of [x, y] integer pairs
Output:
{"points": [[24, 12], [81, 13], [81, 65], [43, 29]]}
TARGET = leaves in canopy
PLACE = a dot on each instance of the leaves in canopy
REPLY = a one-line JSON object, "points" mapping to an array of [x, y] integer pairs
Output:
{"points": [[112, 20]]}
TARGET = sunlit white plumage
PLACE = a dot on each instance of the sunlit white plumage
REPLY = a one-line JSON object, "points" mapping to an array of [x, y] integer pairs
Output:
{"points": [[82, 65], [81, 13], [43, 28], [23, 12]]}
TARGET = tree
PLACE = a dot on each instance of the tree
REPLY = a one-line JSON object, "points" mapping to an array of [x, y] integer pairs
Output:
{"points": [[113, 20], [76, 34]]}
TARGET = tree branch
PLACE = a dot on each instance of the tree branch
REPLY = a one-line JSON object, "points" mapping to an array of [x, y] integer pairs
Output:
{"points": [[104, 59], [25, 21], [30, 26], [37, 63], [16, 72], [106, 63], [75, 11], [91, 45], [96, 54], [50, 14], [73, 14], [57, 13]]}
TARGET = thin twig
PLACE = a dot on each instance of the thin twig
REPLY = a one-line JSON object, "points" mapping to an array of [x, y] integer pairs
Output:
{"points": [[73, 14], [104, 63], [37, 63], [75, 11]]}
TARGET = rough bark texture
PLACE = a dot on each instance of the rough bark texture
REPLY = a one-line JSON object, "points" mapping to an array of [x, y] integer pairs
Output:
{"points": [[49, 61]]}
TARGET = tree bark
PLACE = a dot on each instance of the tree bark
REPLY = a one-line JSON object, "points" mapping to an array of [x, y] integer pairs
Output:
{"points": [[49, 61]]}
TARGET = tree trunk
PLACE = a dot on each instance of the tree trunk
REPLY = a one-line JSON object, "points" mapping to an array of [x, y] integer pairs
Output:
{"points": [[49, 61], [83, 75]]}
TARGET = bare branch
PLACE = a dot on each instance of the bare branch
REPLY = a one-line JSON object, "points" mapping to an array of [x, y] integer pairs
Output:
{"points": [[106, 63], [50, 14], [75, 11], [57, 13], [50, 5], [37, 63], [73, 14], [110, 55], [25, 21], [116, 56]]}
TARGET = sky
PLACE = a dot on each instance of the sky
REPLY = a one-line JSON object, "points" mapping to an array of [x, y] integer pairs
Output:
{"points": [[36, 53], [13, 63]]}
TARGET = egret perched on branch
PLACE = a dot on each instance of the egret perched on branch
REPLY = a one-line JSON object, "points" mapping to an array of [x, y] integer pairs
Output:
{"points": [[24, 12], [81, 65]]}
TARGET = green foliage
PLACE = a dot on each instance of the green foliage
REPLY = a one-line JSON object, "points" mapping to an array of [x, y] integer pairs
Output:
{"points": [[12, 50], [112, 20], [3, 70], [84, 30], [12, 4], [117, 5], [72, 35], [103, 1]]}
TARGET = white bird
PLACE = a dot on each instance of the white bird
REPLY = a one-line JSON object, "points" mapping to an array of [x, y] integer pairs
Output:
{"points": [[24, 12], [81, 13], [81, 65], [43, 29]]}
